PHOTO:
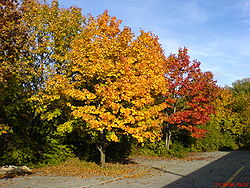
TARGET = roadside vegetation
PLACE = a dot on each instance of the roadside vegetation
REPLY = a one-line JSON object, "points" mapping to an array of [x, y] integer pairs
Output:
{"points": [[80, 90]]}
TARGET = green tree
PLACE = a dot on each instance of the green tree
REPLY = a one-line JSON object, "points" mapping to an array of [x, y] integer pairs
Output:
{"points": [[35, 37], [14, 69], [16, 73], [241, 93]]}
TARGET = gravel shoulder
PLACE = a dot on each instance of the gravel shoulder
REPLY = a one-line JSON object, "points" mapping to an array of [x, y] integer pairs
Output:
{"points": [[197, 170]]}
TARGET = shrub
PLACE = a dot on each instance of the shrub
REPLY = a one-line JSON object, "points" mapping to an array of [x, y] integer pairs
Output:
{"points": [[178, 150], [20, 153], [215, 140], [159, 149]]}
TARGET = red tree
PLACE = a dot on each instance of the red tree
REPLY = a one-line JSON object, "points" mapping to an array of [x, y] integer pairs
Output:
{"points": [[189, 96]]}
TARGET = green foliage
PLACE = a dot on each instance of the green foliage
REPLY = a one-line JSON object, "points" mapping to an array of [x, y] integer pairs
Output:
{"points": [[241, 92], [149, 149], [14, 69], [50, 33], [246, 141], [159, 149], [17, 156], [49, 151], [215, 139], [228, 126], [34, 37], [241, 87], [55, 153], [178, 150]]}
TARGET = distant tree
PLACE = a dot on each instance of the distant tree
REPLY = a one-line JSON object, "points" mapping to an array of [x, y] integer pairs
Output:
{"points": [[241, 93], [241, 86], [225, 116]]}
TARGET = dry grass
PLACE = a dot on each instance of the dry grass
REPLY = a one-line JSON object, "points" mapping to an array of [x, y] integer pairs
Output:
{"points": [[76, 167]]}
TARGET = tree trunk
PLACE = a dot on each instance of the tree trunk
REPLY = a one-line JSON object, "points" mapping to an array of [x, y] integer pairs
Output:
{"points": [[101, 147], [102, 156], [168, 139]]}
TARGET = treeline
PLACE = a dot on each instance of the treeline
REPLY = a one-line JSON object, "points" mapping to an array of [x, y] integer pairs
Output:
{"points": [[72, 85]]}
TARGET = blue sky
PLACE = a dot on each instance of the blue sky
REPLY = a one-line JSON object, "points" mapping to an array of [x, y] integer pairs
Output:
{"points": [[216, 32]]}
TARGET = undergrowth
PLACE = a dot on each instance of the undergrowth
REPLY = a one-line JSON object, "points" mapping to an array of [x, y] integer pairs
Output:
{"points": [[159, 149]]}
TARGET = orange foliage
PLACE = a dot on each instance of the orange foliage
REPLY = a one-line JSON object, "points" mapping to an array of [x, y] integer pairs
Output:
{"points": [[113, 81]]}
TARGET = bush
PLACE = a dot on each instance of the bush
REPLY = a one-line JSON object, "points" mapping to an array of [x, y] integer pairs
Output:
{"points": [[149, 149], [54, 153], [178, 150], [159, 149], [215, 140], [21, 153]]}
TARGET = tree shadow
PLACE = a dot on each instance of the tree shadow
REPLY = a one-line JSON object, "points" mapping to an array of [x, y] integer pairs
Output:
{"points": [[232, 170]]}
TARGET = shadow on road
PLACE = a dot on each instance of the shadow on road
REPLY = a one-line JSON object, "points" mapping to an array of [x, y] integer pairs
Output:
{"points": [[232, 170]]}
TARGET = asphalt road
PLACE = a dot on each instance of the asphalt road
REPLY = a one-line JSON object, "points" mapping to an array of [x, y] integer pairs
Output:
{"points": [[208, 169]]}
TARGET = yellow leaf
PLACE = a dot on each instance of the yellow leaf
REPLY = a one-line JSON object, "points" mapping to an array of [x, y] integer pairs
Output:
{"points": [[114, 138]]}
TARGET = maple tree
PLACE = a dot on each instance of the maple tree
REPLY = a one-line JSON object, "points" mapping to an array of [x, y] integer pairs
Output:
{"points": [[189, 97], [112, 83]]}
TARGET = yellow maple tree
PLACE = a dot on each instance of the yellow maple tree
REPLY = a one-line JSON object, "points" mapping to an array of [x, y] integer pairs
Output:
{"points": [[113, 81]]}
